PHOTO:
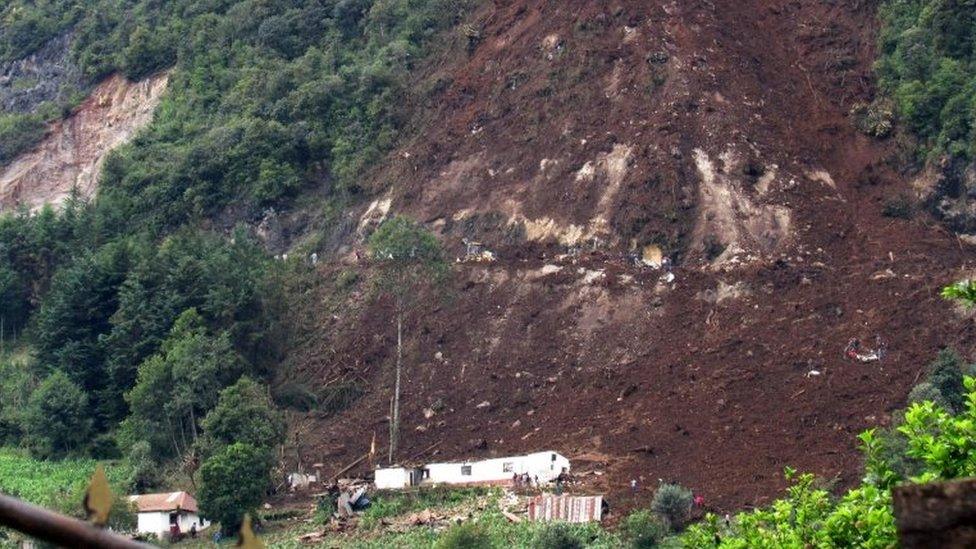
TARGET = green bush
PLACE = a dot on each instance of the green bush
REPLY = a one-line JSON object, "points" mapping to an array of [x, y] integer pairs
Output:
{"points": [[324, 508], [557, 536], [875, 119], [295, 396], [468, 535], [244, 413], [18, 132], [336, 398], [232, 483], [673, 502], [643, 529], [57, 419], [898, 207]]}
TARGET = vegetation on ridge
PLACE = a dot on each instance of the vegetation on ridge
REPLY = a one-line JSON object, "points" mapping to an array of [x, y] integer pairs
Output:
{"points": [[927, 65], [157, 323]]}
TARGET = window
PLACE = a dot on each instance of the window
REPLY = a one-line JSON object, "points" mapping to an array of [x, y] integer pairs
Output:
{"points": [[173, 518], [466, 470], [554, 457], [508, 467]]}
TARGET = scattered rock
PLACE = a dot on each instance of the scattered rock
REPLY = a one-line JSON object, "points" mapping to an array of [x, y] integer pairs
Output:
{"points": [[884, 275]]}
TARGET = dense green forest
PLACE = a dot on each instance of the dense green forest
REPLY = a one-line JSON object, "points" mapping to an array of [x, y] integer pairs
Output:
{"points": [[132, 325], [927, 65]]}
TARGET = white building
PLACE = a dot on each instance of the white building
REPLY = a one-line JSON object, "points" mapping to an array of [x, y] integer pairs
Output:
{"points": [[159, 512], [544, 466]]}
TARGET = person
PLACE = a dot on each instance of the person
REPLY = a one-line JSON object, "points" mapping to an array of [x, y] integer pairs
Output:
{"points": [[537, 485], [515, 480], [881, 347], [559, 485], [853, 346], [193, 530], [699, 500], [633, 485]]}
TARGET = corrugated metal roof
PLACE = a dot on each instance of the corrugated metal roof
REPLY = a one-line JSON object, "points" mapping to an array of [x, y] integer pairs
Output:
{"points": [[170, 501], [576, 509]]}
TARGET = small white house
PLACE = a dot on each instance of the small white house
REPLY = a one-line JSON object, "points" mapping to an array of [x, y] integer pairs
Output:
{"points": [[157, 513], [544, 466]]}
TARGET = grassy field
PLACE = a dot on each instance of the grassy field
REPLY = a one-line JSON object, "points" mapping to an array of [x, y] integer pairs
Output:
{"points": [[49, 483]]}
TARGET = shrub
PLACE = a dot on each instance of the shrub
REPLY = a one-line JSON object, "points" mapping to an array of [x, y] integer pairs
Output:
{"points": [[56, 421], [324, 508], [465, 536], [338, 397], [557, 536], [145, 470], [925, 391], [673, 502], [296, 396], [642, 529], [18, 132], [898, 207], [713, 247], [875, 119], [945, 375], [244, 413], [346, 279], [233, 482]]}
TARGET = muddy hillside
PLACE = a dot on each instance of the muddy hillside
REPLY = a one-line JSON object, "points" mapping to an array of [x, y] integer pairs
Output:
{"points": [[581, 142]]}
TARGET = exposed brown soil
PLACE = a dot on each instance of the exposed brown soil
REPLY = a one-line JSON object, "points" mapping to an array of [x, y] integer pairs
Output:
{"points": [[702, 126], [70, 155]]}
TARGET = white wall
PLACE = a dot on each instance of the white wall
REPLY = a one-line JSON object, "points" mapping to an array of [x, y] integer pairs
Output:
{"points": [[540, 465], [158, 523], [153, 523], [394, 478], [186, 520]]}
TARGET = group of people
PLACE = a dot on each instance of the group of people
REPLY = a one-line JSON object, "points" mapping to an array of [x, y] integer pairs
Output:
{"points": [[176, 534], [525, 481], [857, 352]]}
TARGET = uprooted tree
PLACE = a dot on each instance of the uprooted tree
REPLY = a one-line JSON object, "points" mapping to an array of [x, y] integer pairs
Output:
{"points": [[408, 259]]}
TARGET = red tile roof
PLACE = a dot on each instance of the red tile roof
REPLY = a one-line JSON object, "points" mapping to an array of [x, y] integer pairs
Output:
{"points": [[170, 501]]}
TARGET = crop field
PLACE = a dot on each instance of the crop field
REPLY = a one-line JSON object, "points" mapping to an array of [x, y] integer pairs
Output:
{"points": [[47, 483]]}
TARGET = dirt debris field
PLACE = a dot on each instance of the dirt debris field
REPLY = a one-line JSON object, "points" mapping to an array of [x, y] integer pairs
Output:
{"points": [[576, 132]]}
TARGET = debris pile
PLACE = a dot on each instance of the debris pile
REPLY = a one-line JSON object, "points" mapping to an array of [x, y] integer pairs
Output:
{"points": [[855, 351], [476, 252]]}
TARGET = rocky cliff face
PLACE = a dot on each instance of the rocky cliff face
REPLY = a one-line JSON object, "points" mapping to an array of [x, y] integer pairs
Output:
{"points": [[46, 75], [71, 155]]}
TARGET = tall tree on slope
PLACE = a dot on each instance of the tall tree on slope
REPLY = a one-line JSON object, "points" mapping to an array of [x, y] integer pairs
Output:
{"points": [[408, 258]]}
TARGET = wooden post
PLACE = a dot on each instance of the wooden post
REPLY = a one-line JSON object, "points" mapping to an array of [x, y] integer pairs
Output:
{"points": [[58, 529]]}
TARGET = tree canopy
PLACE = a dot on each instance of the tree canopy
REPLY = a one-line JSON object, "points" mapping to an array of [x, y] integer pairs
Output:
{"points": [[233, 482]]}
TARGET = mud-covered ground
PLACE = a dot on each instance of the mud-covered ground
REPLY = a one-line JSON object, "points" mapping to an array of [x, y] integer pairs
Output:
{"points": [[716, 130]]}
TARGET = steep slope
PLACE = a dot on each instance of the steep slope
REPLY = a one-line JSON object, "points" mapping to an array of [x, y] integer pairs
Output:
{"points": [[578, 131], [71, 154]]}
